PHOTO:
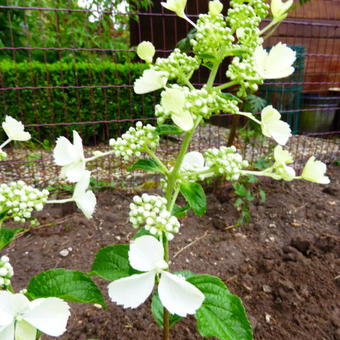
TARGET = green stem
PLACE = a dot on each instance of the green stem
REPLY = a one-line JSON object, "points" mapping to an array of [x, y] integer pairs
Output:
{"points": [[90, 159], [155, 158], [66, 200], [268, 27], [5, 143], [172, 190], [226, 85], [213, 74]]}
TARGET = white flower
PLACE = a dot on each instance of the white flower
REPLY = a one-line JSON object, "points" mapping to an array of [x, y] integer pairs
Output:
{"points": [[146, 51], [283, 157], [85, 199], [151, 80], [146, 254], [314, 171], [15, 130], [176, 6], [173, 101], [273, 127], [275, 64], [193, 161], [20, 318], [279, 8], [70, 157], [215, 7]]}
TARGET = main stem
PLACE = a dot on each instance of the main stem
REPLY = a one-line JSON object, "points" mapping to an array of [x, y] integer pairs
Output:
{"points": [[172, 190]]}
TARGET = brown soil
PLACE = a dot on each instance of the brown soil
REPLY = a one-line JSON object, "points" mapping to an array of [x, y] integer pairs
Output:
{"points": [[284, 264]]}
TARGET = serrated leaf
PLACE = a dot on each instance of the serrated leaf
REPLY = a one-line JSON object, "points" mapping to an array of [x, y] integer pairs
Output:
{"points": [[166, 129], [222, 314], [195, 196], [229, 96], [146, 164], [7, 236], [180, 211], [112, 262], [69, 285], [157, 312]]}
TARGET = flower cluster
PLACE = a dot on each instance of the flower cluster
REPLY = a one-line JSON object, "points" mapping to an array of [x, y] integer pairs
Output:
{"points": [[244, 72], [149, 211], [226, 162], [213, 39], [248, 38], [177, 65], [181, 102], [19, 200], [246, 15], [135, 141], [204, 102], [6, 272]]}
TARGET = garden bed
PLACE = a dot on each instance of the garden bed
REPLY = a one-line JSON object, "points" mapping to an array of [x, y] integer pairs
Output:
{"points": [[284, 264]]}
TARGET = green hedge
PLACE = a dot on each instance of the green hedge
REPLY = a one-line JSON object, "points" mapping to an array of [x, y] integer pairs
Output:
{"points": [[74, 105]]}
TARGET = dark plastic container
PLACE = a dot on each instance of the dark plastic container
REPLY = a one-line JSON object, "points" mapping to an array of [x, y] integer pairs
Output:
{"points": [[318, 112]]}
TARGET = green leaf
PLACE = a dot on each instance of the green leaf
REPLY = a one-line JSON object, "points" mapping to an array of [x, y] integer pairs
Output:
{"points": [[69, 285], [166, 129], [195, 196], [141, 232], [146, 164], [157, 312], [222, 314], [229, 96], [180, 211], [112, 262], [263, 195], [7, 236]]}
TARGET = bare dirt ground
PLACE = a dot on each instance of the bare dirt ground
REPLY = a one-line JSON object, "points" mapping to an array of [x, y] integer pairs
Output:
{"points": [[284, 264]]}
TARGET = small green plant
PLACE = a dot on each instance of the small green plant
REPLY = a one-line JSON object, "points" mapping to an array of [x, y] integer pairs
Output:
{"points": [[247, 191]]}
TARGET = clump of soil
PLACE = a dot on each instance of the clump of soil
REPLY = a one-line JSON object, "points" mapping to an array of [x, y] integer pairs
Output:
{"points": [[284, 264]]}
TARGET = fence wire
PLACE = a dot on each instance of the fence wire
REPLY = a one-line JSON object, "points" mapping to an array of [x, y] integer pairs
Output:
{"points": [[68, 67]]}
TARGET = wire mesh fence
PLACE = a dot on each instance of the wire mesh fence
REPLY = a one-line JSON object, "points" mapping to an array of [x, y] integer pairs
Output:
{"points": [[71, 66]]}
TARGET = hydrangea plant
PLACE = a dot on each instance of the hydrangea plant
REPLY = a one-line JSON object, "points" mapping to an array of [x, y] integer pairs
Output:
{"points": [[142, 268]]}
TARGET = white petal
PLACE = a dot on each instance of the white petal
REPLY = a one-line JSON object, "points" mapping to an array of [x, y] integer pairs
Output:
{"points": [[49, 315], [269, 114], [82, 184], [132, 291], [146, 51], [146, 253], [282, 156], [151, 80], [279, 62], [15, 129], [173, 100], [25, 331], [314, 171], [193, 161], [64, 152], [78, 145], [73, 172], [10, 305], [260, 58], [87, 203], [7, 333], [179, 296], [278, 130], [183, 120]]}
